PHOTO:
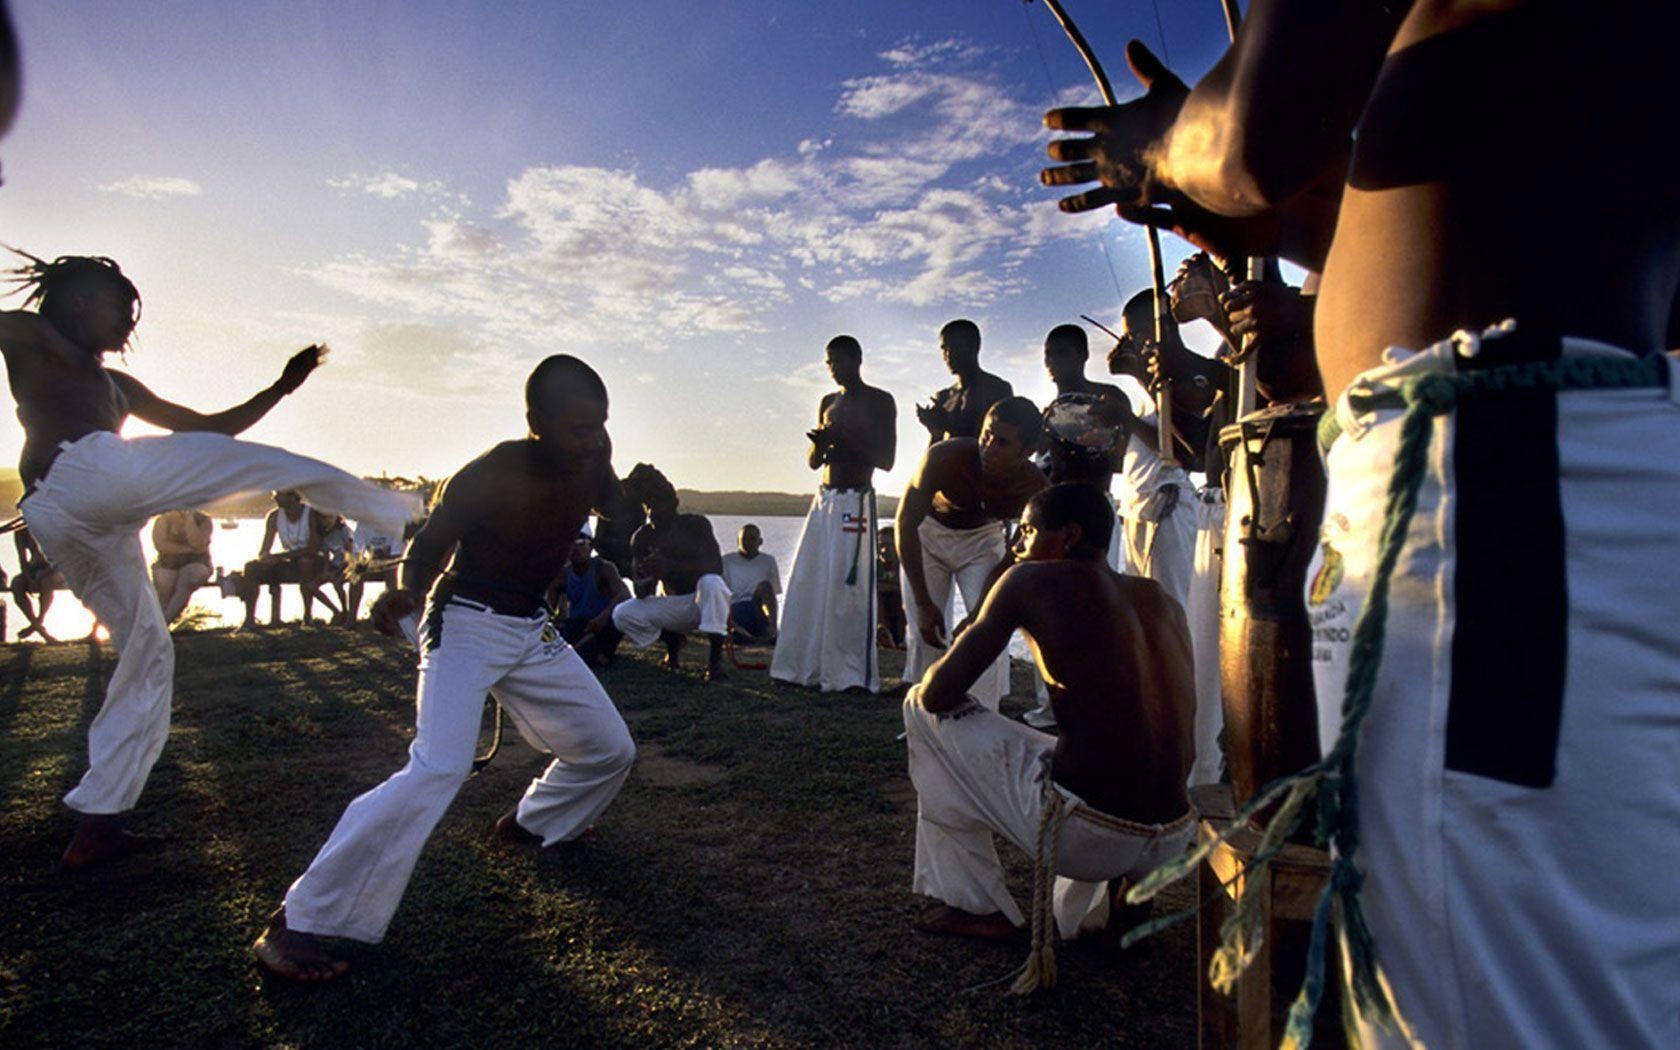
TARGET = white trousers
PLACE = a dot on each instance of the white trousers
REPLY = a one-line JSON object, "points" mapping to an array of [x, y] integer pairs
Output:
{"points": [[1161, 541], [827, 635], [978, 773], [706, 610], [87, 515], [965, 557], [355, 882], [1202, 610], [1519, 828]]}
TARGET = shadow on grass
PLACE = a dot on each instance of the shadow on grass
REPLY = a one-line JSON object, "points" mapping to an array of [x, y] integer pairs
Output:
{"points": [[764, 904]]}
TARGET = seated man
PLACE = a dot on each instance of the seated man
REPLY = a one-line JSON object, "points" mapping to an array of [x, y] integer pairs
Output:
{"points": [[678, 570], [593, 588], [372, 552], [754, 581], [36, 579], [182, 541], [1115, 652], [293, 523]]}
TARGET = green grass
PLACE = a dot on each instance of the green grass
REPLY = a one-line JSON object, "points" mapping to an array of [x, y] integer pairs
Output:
{"points": [[748, 888]]}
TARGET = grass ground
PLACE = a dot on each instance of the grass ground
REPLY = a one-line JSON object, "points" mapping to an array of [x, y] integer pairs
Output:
{"points": [[748, 888]]}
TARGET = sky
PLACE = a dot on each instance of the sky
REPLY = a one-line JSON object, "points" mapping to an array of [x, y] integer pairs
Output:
{"points": [[692, 196]]}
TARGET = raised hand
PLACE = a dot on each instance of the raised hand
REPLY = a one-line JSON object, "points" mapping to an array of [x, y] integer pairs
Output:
{"points": [[1124, 140], [301, 364]]}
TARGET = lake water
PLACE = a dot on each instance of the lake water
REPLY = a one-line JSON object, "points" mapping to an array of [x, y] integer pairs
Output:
{"points": [[231, 547]]}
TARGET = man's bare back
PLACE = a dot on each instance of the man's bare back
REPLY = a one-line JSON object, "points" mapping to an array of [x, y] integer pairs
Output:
{"points": [[1485, 122], [1115, 654]]}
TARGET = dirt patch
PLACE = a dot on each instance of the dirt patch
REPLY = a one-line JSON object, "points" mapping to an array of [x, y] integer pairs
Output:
{"points": [[663, 770]]}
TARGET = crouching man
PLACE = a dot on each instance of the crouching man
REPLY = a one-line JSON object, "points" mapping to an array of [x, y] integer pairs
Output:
{"points": [[509, 519], [1106, 799]]}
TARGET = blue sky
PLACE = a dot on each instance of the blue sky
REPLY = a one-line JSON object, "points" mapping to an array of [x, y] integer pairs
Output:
{"points": [[694, 197]]}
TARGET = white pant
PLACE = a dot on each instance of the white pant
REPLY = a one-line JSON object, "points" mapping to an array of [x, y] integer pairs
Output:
{"points": [[353, 886], [706, 610], [1202, 610], [966, 556], [1509, 907], [978, 773], [1161, 540], [87, 514], [828, 624]]}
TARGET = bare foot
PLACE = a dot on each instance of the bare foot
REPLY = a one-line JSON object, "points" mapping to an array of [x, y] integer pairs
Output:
{"points": [[100, 838], [717, 672], [295, 956], [674, 643], [715, 669], [942, 918]]}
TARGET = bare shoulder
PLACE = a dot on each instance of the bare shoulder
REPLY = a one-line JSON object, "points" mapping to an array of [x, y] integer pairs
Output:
{"points": [[483, 473], [880, 400]]}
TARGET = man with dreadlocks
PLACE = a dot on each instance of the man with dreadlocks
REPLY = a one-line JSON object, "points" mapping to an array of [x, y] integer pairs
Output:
{"points": [[505, 525], [88, 492]]}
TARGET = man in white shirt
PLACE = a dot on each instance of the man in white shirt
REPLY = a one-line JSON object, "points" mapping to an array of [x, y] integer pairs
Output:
{"points": [[754, 581]]}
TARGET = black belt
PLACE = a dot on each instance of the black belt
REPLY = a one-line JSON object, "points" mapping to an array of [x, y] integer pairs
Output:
{"points": [[503, 599]]}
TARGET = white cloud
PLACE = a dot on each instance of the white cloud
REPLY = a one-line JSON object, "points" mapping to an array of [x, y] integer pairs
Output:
{"points": [[576, 255], [389, 185], [151, 187]]}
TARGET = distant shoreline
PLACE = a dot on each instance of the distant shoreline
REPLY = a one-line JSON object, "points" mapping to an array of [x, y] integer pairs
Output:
{"points": [[729, 501]]}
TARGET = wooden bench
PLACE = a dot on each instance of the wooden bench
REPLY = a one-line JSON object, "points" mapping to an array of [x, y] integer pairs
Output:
{"points": [[1296, 877]]}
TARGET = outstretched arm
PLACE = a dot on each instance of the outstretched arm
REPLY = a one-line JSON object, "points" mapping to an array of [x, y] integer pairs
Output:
{"points": [[167, 414], [947, 682], [1252, 160]]}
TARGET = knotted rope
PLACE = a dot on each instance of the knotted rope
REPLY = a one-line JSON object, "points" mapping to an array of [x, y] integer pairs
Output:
{"points": [[1331, 780], [1040, 968]]}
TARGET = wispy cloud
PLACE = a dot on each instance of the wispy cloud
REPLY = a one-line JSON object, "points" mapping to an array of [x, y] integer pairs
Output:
{"points": [[389, 185], [154, 187], [874, 208]]}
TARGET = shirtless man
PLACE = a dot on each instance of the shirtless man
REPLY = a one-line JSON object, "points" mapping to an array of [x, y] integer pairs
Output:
{"points": [[1480, 794], [951, 526], [828, 618], [504, 525], [677, 571], [957, 410], [1116, 654]]}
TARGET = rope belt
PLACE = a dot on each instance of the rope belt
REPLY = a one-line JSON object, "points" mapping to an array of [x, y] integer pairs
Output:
{"points": [[1331, 780], [1039, 971]]}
